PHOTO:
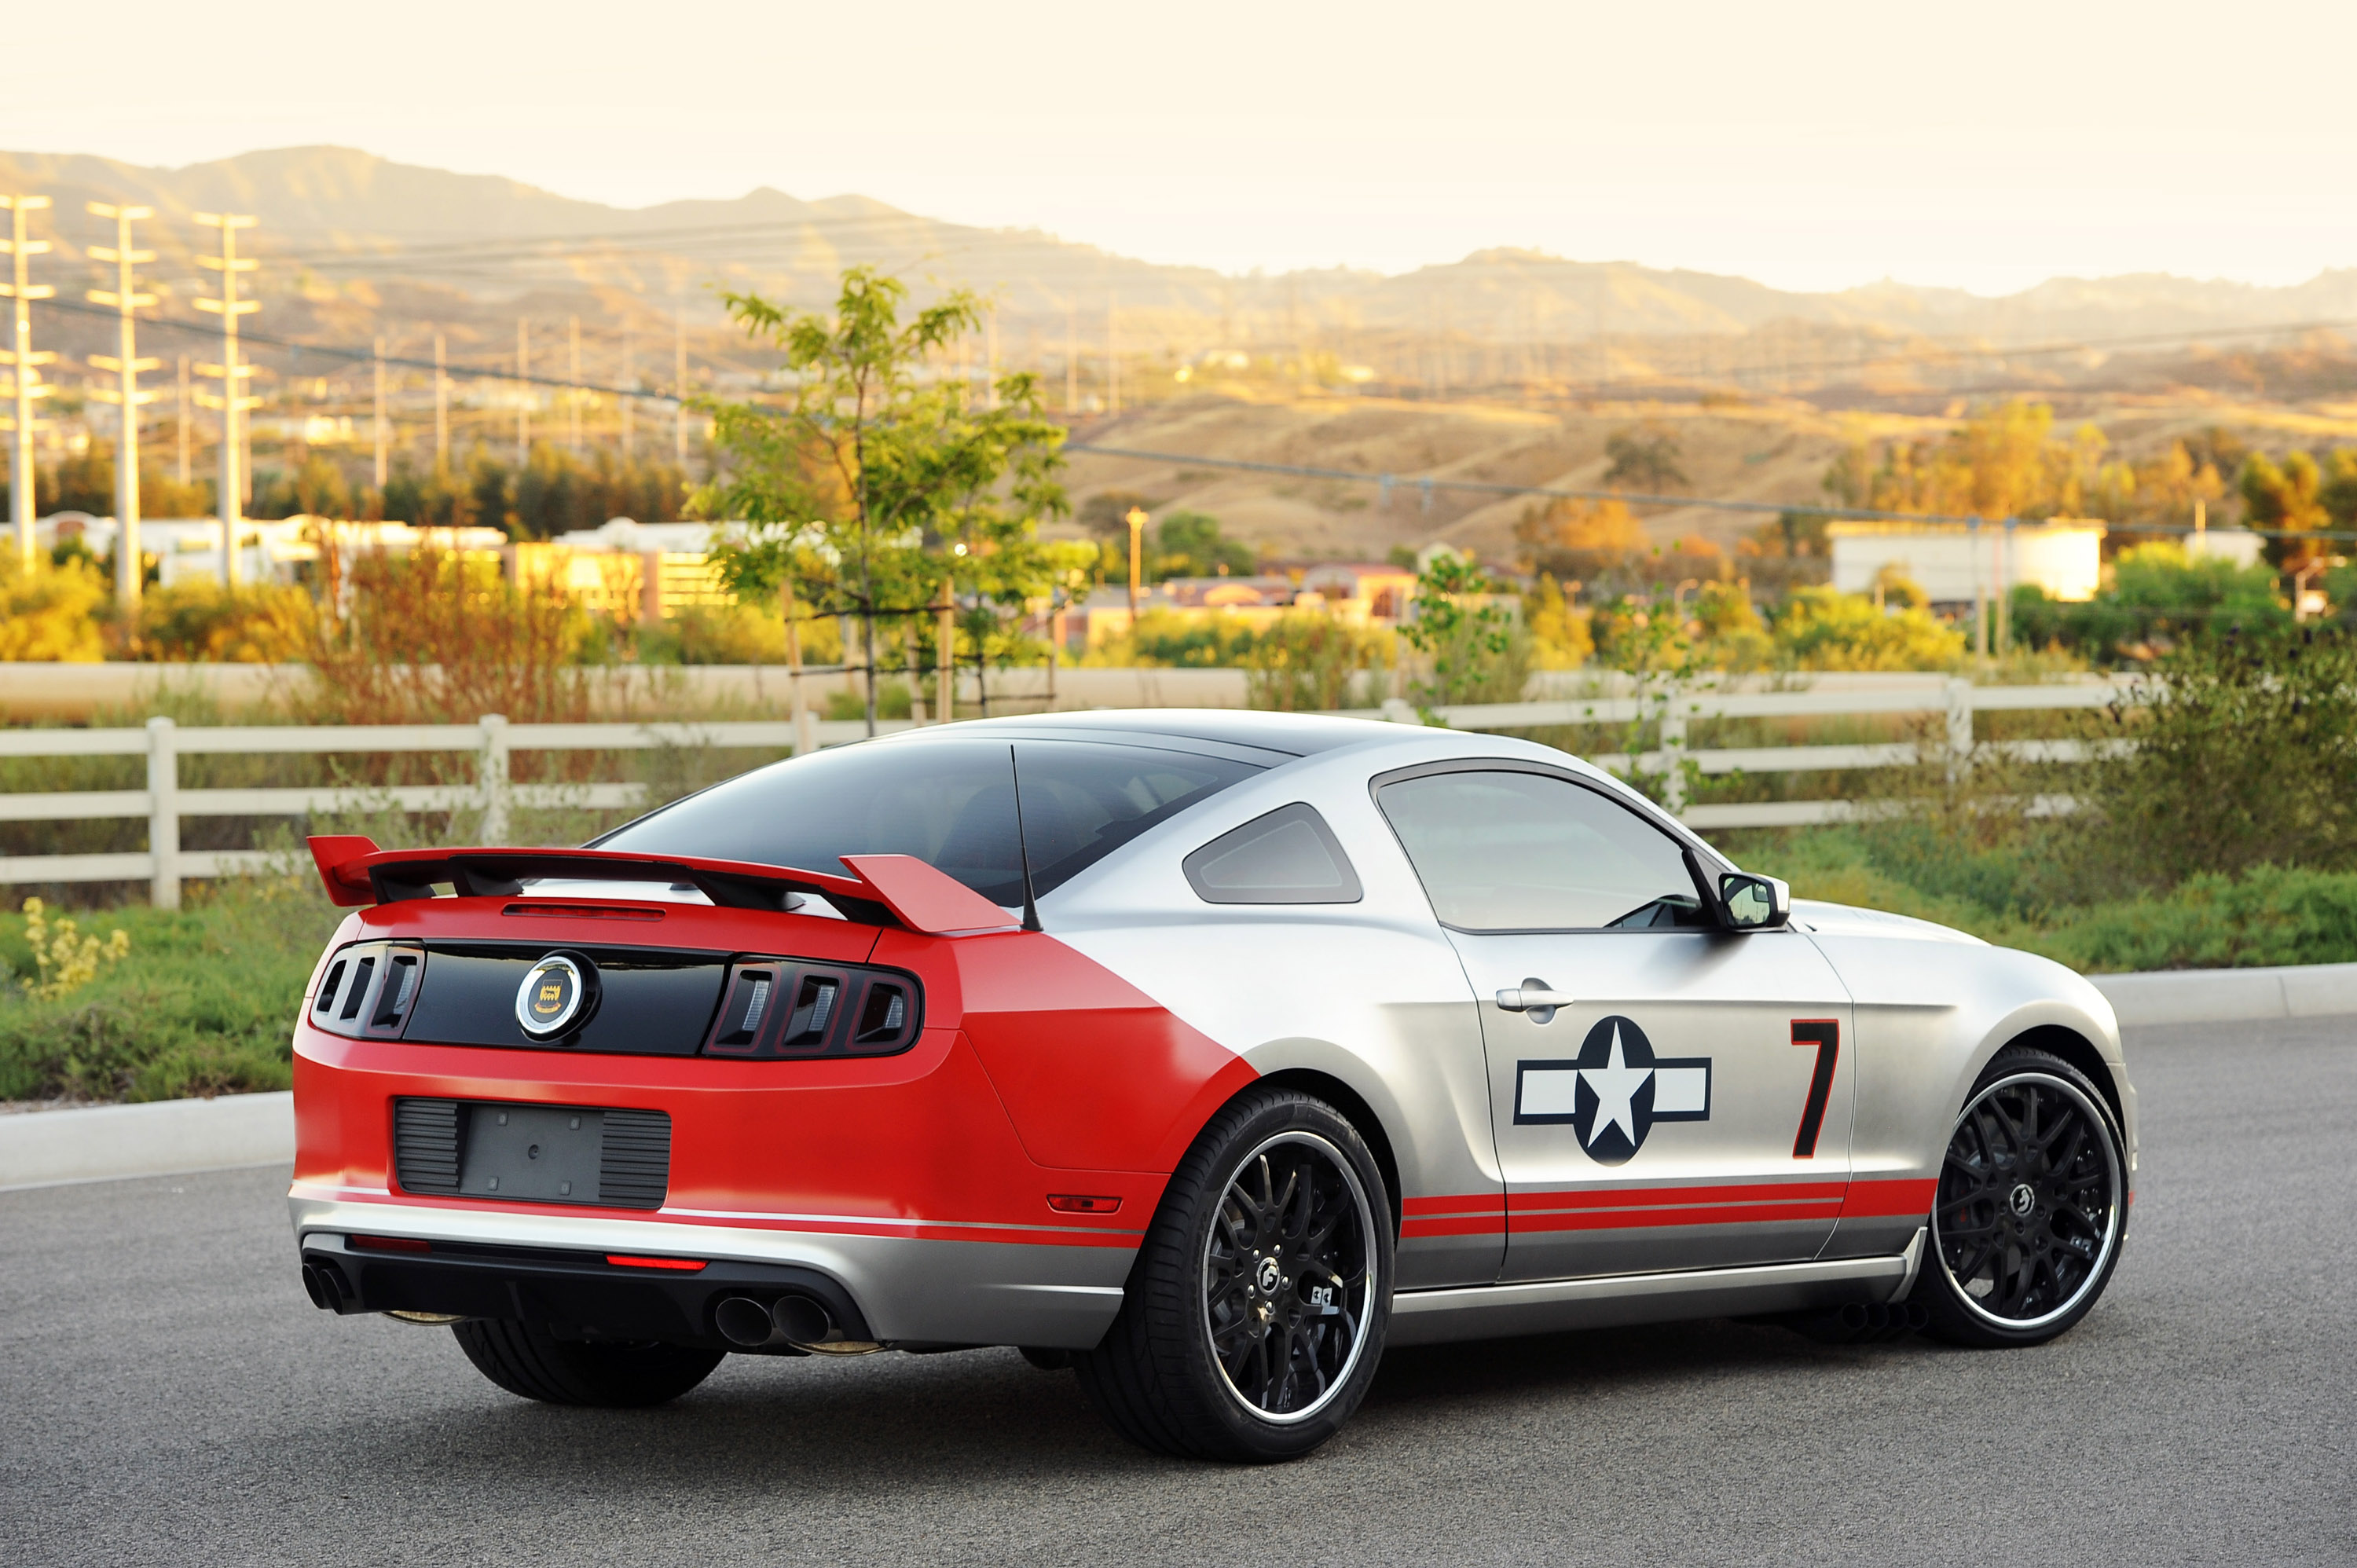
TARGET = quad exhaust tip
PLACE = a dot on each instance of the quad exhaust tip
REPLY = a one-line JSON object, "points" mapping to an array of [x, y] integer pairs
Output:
{"points": [[325, 1286], [795, 1320]]}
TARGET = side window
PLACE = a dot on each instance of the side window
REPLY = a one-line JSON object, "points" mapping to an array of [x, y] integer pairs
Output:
{"points": [[1289, 857], [1501, 850]]}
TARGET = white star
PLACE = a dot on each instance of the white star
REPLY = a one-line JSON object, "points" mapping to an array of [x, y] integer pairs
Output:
{"points": [[1615, 1084]]}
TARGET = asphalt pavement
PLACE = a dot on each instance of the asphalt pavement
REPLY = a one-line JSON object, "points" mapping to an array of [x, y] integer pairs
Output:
{"points": [[167, 1395]]}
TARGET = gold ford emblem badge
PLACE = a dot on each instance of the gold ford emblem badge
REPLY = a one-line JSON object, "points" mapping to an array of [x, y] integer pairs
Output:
{"points": [[550, 1000]]}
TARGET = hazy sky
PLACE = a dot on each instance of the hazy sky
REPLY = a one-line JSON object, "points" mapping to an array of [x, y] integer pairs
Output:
{"points": [[1810, 144]]}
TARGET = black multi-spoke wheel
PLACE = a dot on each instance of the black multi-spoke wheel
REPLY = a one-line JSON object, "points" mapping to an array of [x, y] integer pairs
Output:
{"points": [[1287, 1278], [2031, 1201], [1255, 1312]]}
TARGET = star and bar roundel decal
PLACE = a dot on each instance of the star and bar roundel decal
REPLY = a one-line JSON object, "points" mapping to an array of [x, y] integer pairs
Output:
{"points": [[1613, 1092]]}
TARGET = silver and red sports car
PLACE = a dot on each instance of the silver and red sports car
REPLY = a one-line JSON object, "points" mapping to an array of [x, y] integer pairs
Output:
{"points": [[1204, 1053]]}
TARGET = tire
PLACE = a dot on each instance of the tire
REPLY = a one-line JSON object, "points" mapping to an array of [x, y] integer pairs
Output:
{"points": [[2031, 1207], [1255, 1312], [525, 1359]]}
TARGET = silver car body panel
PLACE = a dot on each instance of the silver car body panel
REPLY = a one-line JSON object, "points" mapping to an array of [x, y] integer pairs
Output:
{"points": [[1551, 1306]]}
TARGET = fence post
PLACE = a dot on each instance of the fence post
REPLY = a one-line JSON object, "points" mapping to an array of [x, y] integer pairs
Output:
{"points": [[1960, 727], [492, 778], [163, 814], [1674, 754]]}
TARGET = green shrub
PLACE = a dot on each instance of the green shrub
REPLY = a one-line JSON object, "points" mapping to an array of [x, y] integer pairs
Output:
{"points": [[2246, 755], [1309, 660], [2267, 915], [204, 1003]]}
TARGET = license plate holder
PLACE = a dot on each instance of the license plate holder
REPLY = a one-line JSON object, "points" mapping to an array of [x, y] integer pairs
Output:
{"points": [[532, 1154]]}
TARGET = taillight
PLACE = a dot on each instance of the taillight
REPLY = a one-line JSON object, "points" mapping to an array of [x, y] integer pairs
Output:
{"points": [[370, 989], [777, 1007]]}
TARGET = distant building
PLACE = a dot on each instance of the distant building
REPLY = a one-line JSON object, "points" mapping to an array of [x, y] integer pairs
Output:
{"points": [[1364, 590], [2239, 545], [1956, 565], [279, 550], [627, 569], [1225, 593]]}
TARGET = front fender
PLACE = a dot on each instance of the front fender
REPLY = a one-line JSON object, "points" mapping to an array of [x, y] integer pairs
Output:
{"points": [[1930, 1015]]}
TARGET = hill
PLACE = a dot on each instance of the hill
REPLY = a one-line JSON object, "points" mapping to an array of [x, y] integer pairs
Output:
{"points": [[346, 215]]}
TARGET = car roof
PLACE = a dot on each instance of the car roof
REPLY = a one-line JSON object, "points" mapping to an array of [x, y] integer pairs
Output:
{"points": [[1289, 735]]}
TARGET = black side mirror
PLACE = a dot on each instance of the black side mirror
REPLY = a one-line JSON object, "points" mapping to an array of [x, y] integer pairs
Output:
{"points": [[1749, 903]]}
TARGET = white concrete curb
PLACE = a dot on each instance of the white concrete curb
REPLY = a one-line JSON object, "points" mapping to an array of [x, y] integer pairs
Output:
{"points": [[2230, 996], [106, 1143], [162, 1137]]}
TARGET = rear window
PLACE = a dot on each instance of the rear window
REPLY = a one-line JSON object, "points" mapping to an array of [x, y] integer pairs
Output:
{"points": [[950, 803]]}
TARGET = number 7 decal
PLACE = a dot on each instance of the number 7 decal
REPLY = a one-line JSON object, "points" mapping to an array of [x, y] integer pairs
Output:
{"points": [[1825, 1035]]}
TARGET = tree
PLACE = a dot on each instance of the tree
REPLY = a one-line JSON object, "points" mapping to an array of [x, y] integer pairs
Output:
{"points": [[2001, 462], [1469, 639], [2337, 494], [1646, 456], [1189, 545], [1577, 540], [868, 489], [1106, 517], [2286, 497]]}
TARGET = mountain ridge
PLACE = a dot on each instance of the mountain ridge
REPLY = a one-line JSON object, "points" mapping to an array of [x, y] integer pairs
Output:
{"points": [[346, 213]]}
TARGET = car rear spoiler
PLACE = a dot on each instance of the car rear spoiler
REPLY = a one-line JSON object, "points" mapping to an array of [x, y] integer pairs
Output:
{"points": [[884, 889]]}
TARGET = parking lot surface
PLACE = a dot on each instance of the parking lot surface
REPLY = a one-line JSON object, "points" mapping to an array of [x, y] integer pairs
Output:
{"points": [[167, 1395]]}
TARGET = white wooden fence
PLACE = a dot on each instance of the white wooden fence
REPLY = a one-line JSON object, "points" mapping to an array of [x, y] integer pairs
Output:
{"points": [[493, 741]]}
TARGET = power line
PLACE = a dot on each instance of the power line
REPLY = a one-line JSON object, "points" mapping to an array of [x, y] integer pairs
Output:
{"points": [[1633, 498], [234, 400], [129, 572], [356, 356], [1353, 475]]}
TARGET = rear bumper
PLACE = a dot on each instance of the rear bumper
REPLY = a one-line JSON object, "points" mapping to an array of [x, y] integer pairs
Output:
{"points": [[548, 1267], [578, 1295]]}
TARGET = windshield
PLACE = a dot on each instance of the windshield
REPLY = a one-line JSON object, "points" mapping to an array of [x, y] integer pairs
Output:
{"points": [[950, 803]]}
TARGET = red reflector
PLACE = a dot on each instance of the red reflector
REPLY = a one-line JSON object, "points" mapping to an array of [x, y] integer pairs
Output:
{"points": [[624, 1260], [1077, 1203], [390, 1244]]}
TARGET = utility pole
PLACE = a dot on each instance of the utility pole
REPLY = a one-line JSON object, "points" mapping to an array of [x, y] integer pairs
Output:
{"points": [[27, 382], [183, 419], [233, 399], [1112, 365], [384, 426], [441, 407], [523, 396], [573, 392], [1137, 519], [629, 385], [1071, 356], [990, 387], [679, 381], [125, 362]]}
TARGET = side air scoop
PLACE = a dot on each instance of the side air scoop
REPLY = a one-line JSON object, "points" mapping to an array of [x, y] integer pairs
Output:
{"points": [[887, 889]]}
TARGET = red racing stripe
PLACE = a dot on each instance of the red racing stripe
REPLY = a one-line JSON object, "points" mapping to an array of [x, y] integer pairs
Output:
{"points": [[1453, 1214], [1627, 1196], [1819, 1210], [1889, 1197]]}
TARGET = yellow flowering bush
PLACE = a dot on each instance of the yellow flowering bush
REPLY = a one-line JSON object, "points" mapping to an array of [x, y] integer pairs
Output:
{"points": [[65, 957]]}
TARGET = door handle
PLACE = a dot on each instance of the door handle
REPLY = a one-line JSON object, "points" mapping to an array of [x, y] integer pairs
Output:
{"points": [[1535, 997]]}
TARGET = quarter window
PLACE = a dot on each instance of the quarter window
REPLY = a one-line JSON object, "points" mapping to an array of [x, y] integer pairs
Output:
{"points": [[1510, 851], [1289, 857]]}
